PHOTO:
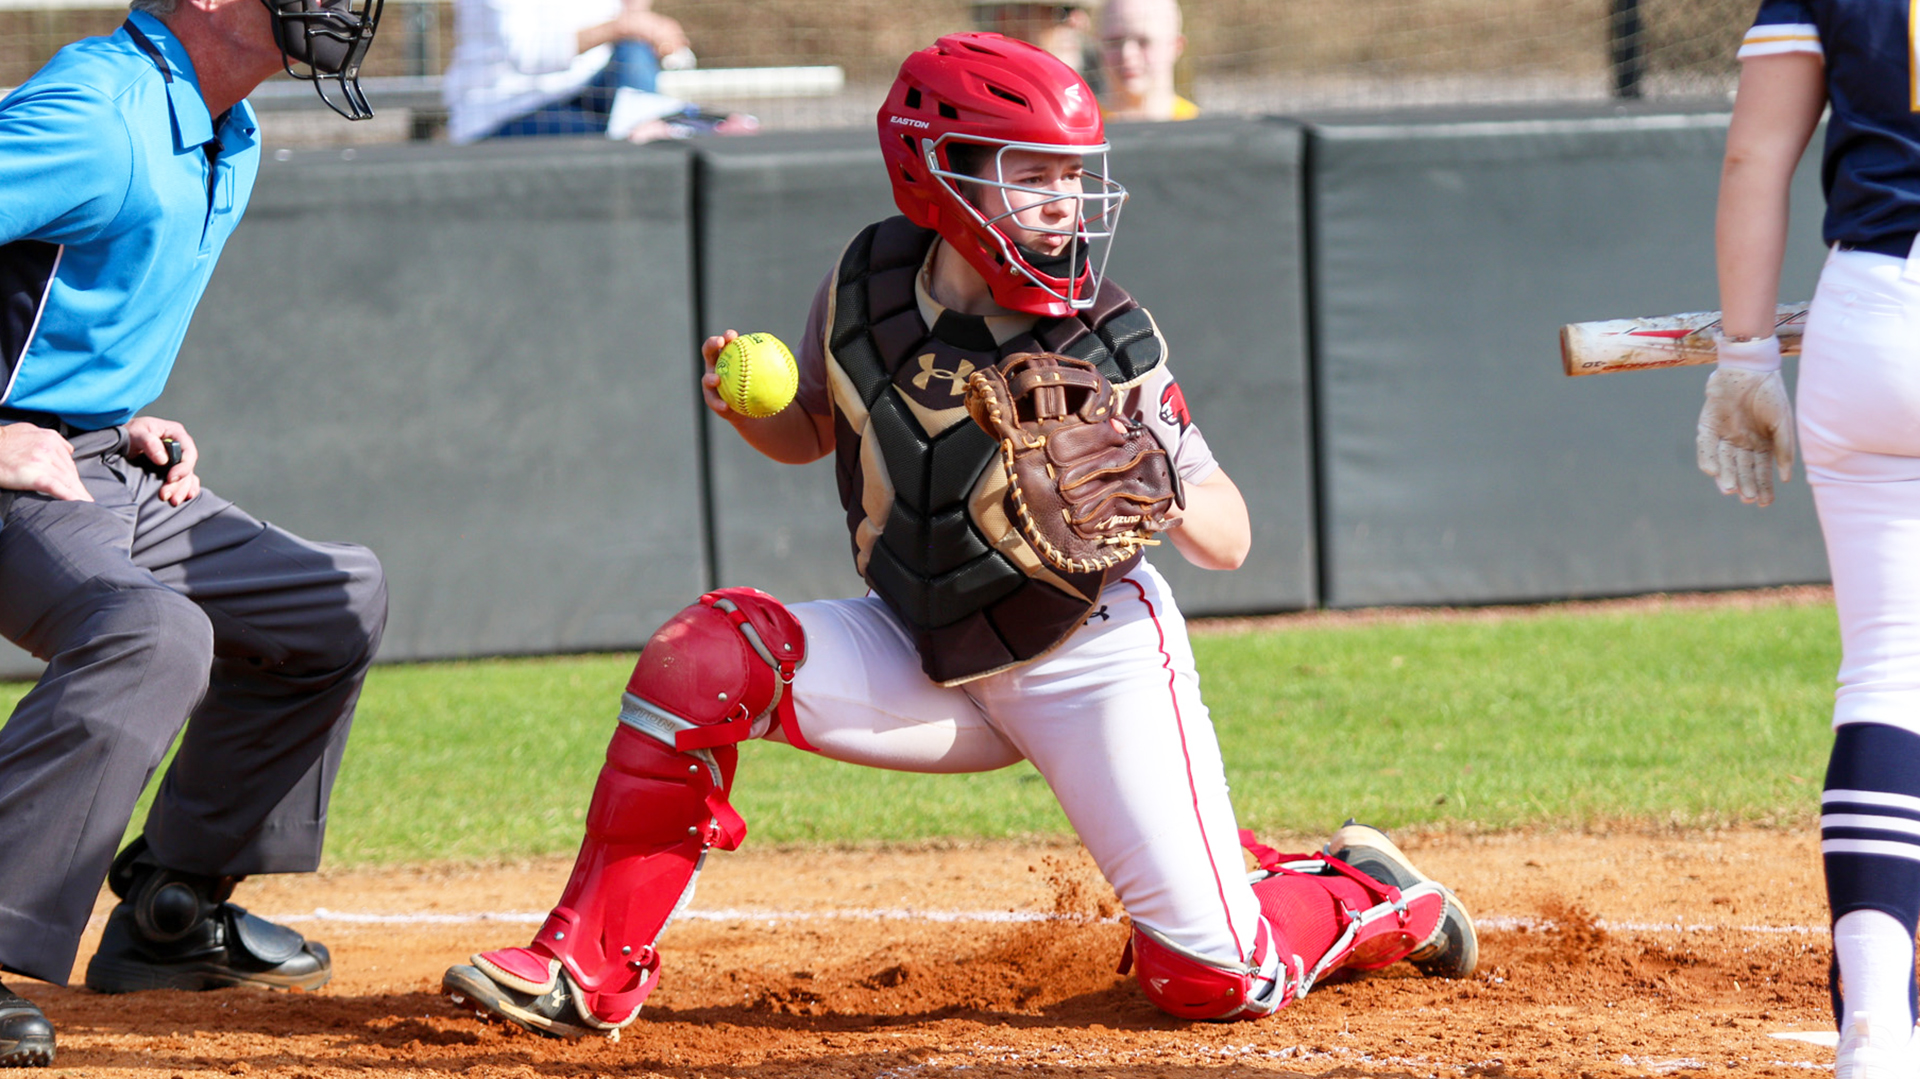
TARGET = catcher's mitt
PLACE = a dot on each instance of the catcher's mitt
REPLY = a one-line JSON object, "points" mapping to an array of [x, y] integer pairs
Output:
{"points": [[1088, 488]]}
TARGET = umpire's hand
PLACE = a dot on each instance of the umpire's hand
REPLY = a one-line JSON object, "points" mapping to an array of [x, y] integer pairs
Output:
{"points": [[147, 436], [36, 459]]}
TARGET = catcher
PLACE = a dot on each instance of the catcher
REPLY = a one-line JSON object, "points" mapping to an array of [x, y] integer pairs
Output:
{"points": [[1009, 439]]}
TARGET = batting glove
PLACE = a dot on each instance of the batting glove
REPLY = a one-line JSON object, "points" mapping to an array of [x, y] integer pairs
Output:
{"points": [[1746, 420]]}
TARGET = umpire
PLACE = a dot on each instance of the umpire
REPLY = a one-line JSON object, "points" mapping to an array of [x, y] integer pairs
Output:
{"points": [[124, 165]]}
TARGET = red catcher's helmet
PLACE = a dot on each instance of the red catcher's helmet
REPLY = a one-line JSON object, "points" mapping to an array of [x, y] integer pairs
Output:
{"points": [[1000, 94]]}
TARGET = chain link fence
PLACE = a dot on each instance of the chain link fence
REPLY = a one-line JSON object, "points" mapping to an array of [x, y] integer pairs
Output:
{"points": [[1242, 56]]}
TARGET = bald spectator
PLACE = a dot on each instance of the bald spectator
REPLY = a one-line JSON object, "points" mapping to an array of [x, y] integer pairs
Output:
{"points": [[1140, 41], [1064, 29]]}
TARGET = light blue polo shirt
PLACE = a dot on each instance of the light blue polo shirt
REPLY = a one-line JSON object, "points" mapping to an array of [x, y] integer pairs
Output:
{"points": [[117, 193]]}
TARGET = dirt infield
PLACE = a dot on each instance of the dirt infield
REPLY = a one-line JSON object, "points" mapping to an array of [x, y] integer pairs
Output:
{"points": [[1602, 955]]}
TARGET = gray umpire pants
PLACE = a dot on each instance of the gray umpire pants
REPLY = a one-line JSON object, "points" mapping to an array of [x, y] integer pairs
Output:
{"points": [[151, 617]]}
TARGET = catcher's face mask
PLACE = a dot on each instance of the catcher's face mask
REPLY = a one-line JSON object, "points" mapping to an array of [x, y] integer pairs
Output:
{"points": [[1073, 221], [330, 38]]}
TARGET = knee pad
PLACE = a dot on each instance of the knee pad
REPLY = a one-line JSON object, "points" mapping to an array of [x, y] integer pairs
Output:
{"points": [[719, 672]]}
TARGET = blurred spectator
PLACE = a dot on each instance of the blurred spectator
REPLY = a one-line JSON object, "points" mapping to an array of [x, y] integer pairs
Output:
{"points": [[557, 67], [1064, 29], [1140, 41]]}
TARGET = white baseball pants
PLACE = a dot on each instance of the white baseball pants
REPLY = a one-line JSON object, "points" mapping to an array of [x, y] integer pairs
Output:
{"points": [[1112, 719], [1859, 402]]}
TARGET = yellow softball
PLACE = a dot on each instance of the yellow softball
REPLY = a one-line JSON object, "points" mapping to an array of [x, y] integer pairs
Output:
{"points": [[757, 374]]}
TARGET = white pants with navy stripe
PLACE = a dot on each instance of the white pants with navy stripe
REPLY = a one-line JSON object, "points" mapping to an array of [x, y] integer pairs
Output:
{"points": [[1859, 404], [1111, 718]]}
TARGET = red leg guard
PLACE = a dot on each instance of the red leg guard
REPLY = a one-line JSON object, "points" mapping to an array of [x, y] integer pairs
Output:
{"points": [[1304, 912], [709, 678], [717, 668], [1190, 986], [1322, 907], [648, 828], [1317, 915]]}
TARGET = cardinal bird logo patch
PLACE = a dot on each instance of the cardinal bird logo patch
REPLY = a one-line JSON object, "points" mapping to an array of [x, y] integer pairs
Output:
{"points": [[1173, 407]]}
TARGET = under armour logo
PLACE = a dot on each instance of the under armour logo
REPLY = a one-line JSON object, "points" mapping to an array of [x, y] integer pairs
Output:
{"points": [[957, 379], [1101, 614]]}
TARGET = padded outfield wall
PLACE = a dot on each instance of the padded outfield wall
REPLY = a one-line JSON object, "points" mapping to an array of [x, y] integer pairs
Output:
{"points": [[1457, 463], [480, 362]]}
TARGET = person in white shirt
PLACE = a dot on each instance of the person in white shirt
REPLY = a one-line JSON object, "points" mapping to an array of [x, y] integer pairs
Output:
{"points": [[550, 67]]}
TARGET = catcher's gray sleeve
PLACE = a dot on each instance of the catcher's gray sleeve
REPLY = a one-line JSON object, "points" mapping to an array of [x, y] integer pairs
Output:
{"points": [[1156, 401], [812, 356]]}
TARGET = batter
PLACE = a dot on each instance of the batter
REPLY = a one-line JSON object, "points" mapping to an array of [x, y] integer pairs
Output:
{"points": [[1860, 428], [969, 654]]}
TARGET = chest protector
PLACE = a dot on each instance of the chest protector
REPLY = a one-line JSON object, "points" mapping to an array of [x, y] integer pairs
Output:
{"points": [[929, 521]]}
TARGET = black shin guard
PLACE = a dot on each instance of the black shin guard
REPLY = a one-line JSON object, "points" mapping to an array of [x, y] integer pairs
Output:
{"points": [[1870, 829]]}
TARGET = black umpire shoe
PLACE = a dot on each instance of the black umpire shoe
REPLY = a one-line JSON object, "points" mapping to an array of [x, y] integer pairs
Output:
{"points": [[26, 1038], [175, 930], [1454, 949]]}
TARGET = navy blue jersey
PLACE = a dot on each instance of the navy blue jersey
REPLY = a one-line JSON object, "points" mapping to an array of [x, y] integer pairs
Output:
{"points": [[1871, 170]]}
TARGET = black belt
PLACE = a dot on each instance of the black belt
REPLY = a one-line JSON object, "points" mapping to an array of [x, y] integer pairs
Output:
{"points": [[1898, 245], [42, 419]]}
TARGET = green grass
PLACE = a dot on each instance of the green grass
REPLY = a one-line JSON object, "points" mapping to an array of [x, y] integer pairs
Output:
{"points": [[1681, 716], [1690, 716]]}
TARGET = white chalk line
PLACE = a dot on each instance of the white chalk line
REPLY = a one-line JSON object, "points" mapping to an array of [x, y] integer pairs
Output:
{"points": [[1513, 922], [1496, 922], [725, 914]]}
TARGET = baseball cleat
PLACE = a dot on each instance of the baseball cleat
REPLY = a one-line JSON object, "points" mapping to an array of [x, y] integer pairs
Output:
{"points": [[1872, 1050], [551, 1013], [1454, 949], [26, 1038]]}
